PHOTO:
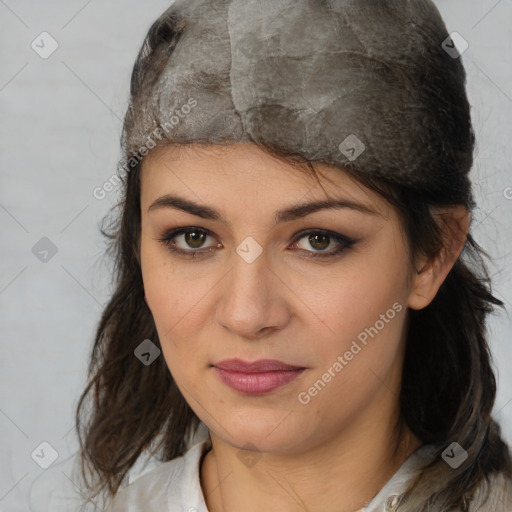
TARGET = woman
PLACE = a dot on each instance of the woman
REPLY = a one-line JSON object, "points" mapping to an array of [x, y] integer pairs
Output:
{"points": [[295, 270]]}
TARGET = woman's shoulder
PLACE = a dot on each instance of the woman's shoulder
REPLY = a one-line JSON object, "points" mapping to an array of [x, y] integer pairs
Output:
{"points": [[171, 484]]}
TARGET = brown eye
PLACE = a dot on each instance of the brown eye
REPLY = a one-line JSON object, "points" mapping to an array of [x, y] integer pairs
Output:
{"points": [[195, 239], [187, 241], [320, 240]]}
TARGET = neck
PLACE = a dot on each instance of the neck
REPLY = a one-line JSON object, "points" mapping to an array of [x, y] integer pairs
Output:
{"points": [[341, 475]]}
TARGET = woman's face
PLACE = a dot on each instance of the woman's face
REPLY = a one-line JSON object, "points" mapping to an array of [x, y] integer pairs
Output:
{"points": [[247, 285]]}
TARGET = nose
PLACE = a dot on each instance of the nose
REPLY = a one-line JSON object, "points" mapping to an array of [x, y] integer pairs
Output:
{"points": [[253, 299]]}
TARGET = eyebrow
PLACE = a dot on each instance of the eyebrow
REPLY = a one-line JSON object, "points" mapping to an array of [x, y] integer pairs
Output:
{"points": [[288, 214]]}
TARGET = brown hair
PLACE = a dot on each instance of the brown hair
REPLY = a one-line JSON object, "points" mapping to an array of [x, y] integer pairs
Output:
{"points": [[448, 386]]}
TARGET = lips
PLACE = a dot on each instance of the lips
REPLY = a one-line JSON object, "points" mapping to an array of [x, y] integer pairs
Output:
{"points": [[263, 365], [256, 377]]}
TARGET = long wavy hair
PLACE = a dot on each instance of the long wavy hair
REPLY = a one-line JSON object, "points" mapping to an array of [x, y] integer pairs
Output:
{"points": [[448, 386]]}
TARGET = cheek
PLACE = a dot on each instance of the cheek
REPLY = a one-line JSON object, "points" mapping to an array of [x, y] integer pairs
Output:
{"points": [[361, 350], [167, 293], [356, 300], [362, 313], [176, 302], [163, 290], [173, 313]]}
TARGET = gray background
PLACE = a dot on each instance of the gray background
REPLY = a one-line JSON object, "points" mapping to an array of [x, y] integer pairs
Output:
{"points": [[59, 140]]}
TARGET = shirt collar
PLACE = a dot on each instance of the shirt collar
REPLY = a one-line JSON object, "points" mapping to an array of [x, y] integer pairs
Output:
{"points": [[388, 498]]}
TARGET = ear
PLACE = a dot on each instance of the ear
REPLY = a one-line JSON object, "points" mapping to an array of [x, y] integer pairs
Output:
{"points": [[455, 221]]}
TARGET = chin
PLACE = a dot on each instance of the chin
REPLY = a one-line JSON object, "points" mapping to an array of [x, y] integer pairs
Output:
{"points": [[269, 435]]}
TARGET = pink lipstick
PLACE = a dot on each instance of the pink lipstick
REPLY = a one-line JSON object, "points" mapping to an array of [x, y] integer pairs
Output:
{"points": [[257, 377]]}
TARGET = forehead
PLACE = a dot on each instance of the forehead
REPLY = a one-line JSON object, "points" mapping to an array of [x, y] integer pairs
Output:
{"points": [[245, 173]]}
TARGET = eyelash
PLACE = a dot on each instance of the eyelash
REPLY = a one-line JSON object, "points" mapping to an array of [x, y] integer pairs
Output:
{"points": [[170, 235]]}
